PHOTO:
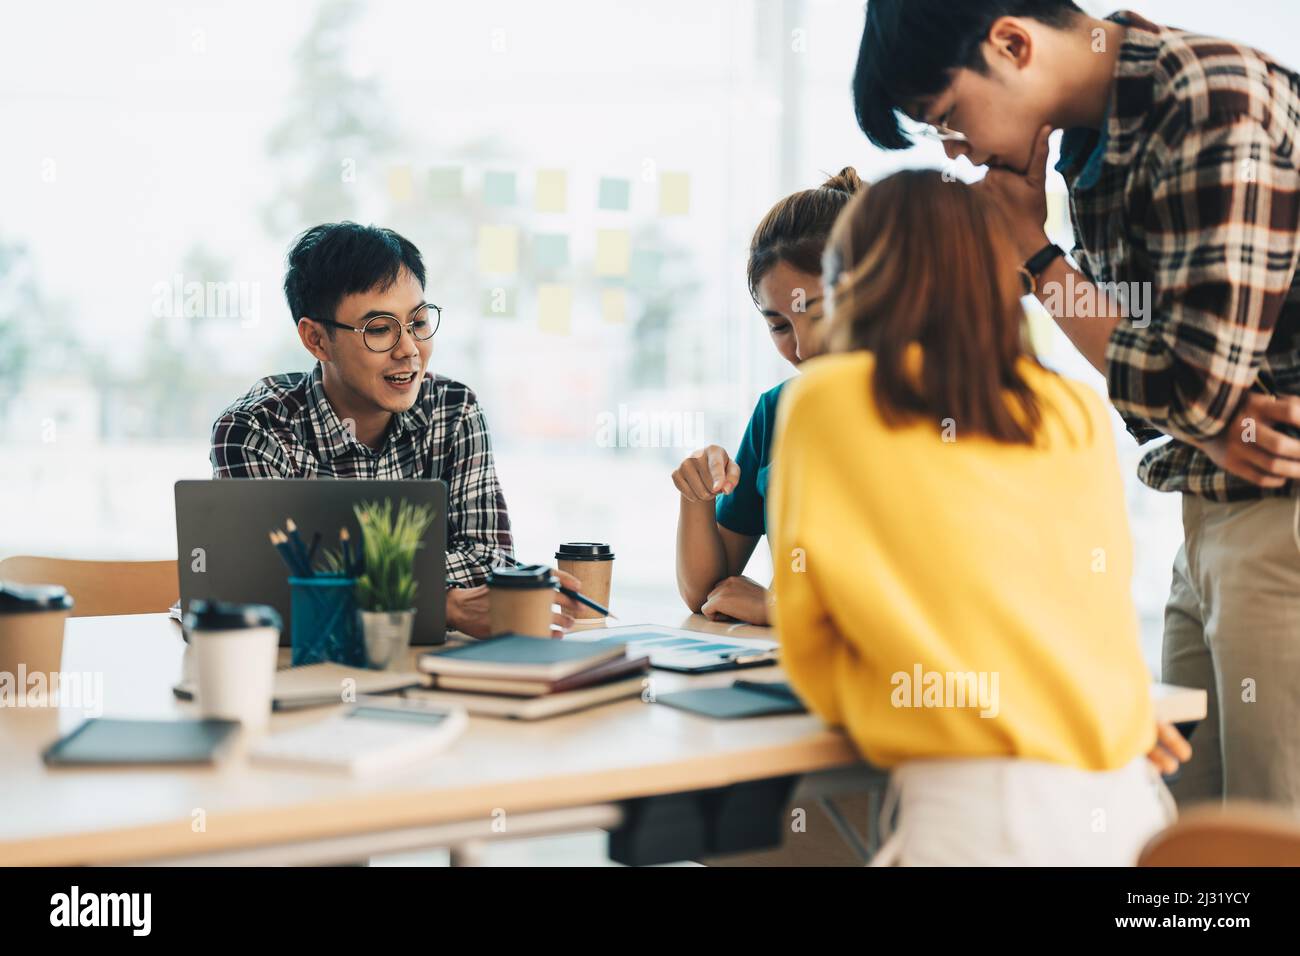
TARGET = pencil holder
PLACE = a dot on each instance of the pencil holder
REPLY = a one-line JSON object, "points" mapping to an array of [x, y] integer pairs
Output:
{"points": [[323, 614]]}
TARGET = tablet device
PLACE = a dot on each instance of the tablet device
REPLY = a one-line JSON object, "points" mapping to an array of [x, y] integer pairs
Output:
{"points": [[103, 741]]}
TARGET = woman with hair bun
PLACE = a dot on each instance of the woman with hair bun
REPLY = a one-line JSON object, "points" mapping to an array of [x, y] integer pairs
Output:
{"points": [[722, 499]]}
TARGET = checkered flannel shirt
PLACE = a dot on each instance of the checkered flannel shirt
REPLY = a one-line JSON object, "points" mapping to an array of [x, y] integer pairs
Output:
{"points": [[1192, 185], [285, 427]]}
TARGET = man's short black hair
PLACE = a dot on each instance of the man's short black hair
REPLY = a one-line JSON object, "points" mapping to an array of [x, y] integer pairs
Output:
{"points": [[910, 48], [337, 259]]}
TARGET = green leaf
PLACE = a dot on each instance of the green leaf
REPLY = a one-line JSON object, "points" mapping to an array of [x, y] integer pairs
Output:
{"points": [[390, 539]]}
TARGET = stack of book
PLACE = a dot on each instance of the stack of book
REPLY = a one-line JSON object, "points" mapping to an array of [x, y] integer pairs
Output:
{"points": [[528, 678]]}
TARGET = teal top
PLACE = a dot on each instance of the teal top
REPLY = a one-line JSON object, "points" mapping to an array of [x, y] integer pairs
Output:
{"points": [[742, 510]]}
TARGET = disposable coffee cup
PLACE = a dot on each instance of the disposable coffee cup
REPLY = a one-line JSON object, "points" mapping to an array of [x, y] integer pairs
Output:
{"points": [[520, 600], [234, 659], [31, 631], [593, 565]]}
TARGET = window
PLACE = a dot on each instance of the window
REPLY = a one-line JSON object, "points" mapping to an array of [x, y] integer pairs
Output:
{"points": [[582, 178]]}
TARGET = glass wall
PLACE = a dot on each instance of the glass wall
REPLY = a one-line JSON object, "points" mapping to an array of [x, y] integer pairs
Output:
{"points": [[582, 178]]}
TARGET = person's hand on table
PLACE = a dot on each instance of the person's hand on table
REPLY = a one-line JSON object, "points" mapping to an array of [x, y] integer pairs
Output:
{"points": [[1171, 749], [567, 607], [1252, 448], [737, 598], [468, 609], [706, 473]]}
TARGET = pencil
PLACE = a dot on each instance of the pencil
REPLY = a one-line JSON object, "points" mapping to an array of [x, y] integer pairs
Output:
{"points": [[345, 546], [290, 559], [299, 549], [583, 599]]}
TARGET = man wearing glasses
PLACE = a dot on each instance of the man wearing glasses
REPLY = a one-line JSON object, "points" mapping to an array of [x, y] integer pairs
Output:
{"points": [[1179, 153], [368, 409]]}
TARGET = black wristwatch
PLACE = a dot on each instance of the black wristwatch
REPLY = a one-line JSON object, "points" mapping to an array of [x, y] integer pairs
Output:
{"points": [[1037, 264]]}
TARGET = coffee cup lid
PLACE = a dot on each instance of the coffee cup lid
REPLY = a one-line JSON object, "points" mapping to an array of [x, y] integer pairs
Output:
{"points": [[227, 616], [523, 576], [24, 598], [585, 551]]}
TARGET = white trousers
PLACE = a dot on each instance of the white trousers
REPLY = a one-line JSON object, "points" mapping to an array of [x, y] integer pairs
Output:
{"points": [[1011, 812]]}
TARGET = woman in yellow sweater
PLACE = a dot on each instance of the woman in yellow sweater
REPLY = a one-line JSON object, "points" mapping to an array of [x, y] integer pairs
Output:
{"points": [[951, 550]]}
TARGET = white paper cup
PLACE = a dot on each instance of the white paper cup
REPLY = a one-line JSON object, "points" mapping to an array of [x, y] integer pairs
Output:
{"points": [[234, 651]]}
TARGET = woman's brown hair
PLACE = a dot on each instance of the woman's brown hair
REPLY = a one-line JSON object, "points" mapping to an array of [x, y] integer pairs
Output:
{"points": [[795, 230], [920, 261]]}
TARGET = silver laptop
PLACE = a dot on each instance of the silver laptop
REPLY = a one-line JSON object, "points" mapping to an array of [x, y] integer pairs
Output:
{"points": [[230, 520]]}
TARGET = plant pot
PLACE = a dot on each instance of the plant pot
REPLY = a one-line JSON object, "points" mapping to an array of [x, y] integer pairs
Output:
{"points": [[388, 638]]}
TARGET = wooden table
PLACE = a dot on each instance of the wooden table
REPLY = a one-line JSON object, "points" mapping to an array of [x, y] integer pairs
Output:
{"points": [[564, 774]]}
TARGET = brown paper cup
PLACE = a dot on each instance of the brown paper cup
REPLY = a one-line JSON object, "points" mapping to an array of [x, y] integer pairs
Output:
{"points": [[517, 610], [33, 639], [596, 577]]}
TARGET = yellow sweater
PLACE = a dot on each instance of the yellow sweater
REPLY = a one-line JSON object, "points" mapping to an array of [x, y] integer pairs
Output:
{"points": [[922, 583]]}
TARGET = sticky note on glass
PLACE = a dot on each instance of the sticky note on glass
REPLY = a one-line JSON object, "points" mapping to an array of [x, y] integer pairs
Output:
{"points": [[612, 252], [499, 302], [554, 308], [674, 194], [552, 194], [446, 182], [614, 193], [401, 184], [550, 250], [499, 188], [613, 306], [498, 249], [645, 266]]}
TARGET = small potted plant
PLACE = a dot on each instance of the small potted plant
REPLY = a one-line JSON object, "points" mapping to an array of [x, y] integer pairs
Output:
{"points": [[386, 586]]}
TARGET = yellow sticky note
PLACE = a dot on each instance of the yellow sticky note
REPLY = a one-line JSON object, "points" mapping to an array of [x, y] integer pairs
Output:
{"points": [[613, 306], [674, 194], [401, 184], [552, 194], [498, 249], [613, 251], [554, 308]]}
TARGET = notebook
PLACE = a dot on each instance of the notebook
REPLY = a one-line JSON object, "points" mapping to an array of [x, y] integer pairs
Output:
{"points": [[688, 652], [600, 674], [315, 685], [514, 657], [102, 741], [378, 733], [533, 708], [741, 699]]}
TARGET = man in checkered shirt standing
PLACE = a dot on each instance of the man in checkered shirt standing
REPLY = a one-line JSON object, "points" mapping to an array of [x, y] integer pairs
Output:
{"points": [[1180, 154], [369, 409]]}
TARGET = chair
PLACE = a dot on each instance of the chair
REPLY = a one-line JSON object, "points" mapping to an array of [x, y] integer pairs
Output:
{"points": [[1236, 834], [101, 587]]}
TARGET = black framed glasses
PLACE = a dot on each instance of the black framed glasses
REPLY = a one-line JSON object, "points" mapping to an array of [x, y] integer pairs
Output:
{"points": [[381, 333]]}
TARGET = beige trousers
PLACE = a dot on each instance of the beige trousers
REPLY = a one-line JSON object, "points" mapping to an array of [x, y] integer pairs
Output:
{"points": [[1232, 627]]}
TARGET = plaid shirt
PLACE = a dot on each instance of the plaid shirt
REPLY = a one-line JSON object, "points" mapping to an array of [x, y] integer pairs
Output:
{"points": [[285, 427], [1192, 186]]}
